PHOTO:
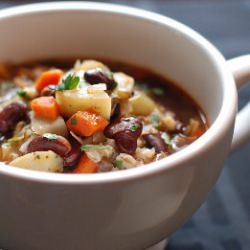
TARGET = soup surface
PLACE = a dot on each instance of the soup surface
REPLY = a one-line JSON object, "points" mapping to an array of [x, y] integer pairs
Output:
{"points": [[87, 117]]}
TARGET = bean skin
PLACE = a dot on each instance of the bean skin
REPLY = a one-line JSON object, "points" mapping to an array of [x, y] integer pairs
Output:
{"points": [[95, 76], [72, 158], [61, 146], [11, 115], [50, 90], [126, 142], [125, 133], [129, 124], [155, 141], [4, 128]]}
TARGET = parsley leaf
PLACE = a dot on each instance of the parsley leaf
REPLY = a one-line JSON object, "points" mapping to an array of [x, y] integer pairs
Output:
{"points": [[91, 147], [134, 127], [69, 83], [155, 119], [118, 163], [166, 137], [158, 91], [73, 121], [22, 93]]}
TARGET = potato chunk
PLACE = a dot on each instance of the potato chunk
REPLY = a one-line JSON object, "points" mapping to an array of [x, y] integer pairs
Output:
{"points": [[141, 104], [46, 161], [41, 126], [71, 101], [125, 85]]}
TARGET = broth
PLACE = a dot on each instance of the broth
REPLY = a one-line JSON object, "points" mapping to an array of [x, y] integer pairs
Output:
{"points": [[92, 118]]}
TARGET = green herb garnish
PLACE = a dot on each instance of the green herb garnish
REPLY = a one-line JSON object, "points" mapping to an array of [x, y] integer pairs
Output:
{"points": [[155, 119], [118, 163], [73, 121], [134, 127], [50, 136], [166, 137], [22, 93], [91, 147], [69, 83], [158, 91]]}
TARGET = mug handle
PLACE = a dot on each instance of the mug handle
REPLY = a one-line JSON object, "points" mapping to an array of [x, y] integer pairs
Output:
{"points": [[240, 67]]}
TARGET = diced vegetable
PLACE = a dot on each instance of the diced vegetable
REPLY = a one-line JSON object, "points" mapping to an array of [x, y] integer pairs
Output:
{"points": [[47, 161], [194, 129], [90, 147], [89, 64], [169, 122], [45, 107], [142, 104], [125, 85], [28, 92], [41, 126], [97, 152], [71, 101], [85, 165], [145, 155], [86, 123], [9, 151], [96, 88], [128, 161], [51, 77]]}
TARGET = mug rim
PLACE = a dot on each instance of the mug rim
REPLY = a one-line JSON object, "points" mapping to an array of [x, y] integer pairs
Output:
{"points": [[215, 132]]}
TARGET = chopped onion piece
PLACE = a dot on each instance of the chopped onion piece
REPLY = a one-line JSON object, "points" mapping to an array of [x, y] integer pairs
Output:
{"points": [[96, 88]]}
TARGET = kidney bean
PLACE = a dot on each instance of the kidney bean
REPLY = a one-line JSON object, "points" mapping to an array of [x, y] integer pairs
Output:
{"points": [[61, 146], [155, 141], [126, 142], [129, 124], [72, 158], [125, 133], [4, 128], [11, 115], [95, 76], [49, 90]]}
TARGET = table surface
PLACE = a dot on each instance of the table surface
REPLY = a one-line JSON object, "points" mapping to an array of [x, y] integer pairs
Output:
{"points": [[223, 221]]}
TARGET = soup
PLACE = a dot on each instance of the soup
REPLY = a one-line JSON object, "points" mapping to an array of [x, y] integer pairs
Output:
{"points": [[87, 117]]}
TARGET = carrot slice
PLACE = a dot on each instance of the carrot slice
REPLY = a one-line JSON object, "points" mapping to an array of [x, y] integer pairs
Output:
{"points": [[50, 77], [45, 107], [85, 165], [197, 132], [86, 123]]}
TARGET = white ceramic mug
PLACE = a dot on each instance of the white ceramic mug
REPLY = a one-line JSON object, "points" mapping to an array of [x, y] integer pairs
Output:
{"points": [[130, 209]]}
